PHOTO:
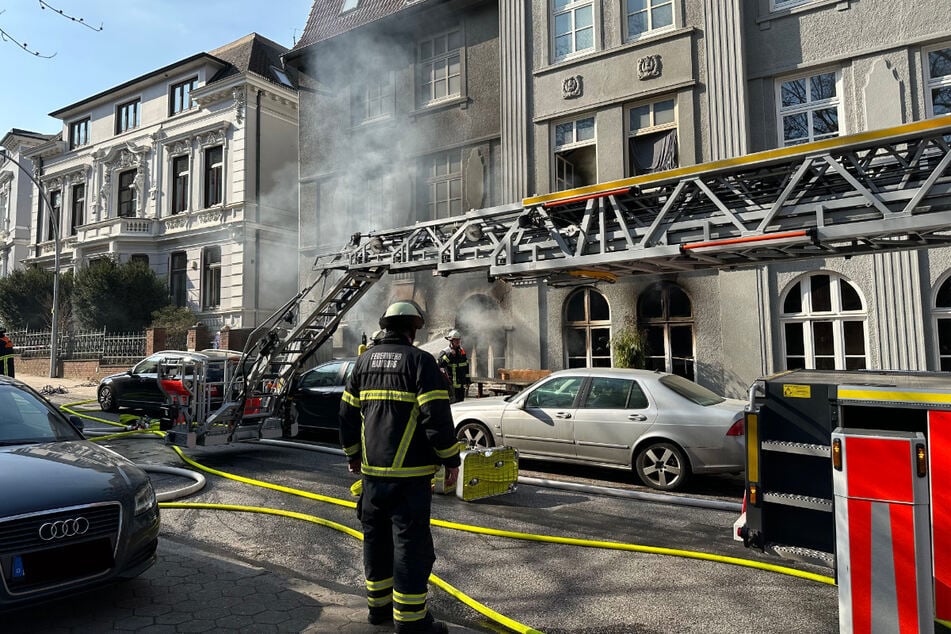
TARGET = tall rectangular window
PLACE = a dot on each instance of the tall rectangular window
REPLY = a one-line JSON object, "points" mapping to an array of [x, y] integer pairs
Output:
{"points": [[214, 168], [127, 116], [178, 278], [575, 156], [179, 184], [78, 133], [652, 138], [808, 108], [572, 27], [443, 184], [56, 214], [440, 67], [211, 277], [179, 96], [938, 80], [126, 194], [648, 15], [373, 98], [78, 217]]}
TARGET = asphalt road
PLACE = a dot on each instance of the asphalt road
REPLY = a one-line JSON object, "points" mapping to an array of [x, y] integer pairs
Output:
{"points": [[553, 587]]}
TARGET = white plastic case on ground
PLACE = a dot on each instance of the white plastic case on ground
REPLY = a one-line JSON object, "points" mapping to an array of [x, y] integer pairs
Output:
{"points": [[486, 472]]}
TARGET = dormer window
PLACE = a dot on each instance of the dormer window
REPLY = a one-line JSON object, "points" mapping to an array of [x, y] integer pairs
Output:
{"points": [[179, 96], [79, 133], [127, 116]]}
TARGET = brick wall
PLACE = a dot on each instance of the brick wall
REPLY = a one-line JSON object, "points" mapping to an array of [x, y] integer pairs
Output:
{"points": [[76, 369]]}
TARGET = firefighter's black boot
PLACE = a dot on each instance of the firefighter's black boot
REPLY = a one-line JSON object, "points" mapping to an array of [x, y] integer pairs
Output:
{"points": [[380, 615]]}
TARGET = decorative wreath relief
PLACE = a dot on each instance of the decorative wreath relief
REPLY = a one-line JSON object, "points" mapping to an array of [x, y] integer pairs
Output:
{"points": [[572, 87], [648, 67]]}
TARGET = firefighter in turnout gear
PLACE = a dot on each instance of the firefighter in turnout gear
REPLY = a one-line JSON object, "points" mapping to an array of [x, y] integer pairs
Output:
{"points": [[455, 367], [6, 354], [396, 428]]}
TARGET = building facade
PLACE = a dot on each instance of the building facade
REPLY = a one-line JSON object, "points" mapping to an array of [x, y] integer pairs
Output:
{"points": [[192, 169], [16, 196], [467, 104]]}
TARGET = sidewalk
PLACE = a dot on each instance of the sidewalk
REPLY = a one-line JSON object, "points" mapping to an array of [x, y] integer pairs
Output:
{"points": [[196, 589]]}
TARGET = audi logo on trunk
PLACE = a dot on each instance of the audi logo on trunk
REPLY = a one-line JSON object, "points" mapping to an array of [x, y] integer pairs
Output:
{"points": [[63, 528]]}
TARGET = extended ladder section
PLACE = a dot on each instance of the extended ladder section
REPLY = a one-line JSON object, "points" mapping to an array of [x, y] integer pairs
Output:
{"points": [[254, 407], [864, 193]]}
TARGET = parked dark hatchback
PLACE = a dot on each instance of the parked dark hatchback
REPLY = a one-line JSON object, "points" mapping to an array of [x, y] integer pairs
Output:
{"points": [[315, 395], [138, 388], [72, 514]]}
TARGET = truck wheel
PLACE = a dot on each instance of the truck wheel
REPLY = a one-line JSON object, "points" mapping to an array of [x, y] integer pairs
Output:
{"points": [[475, 434], [661, 465], [107, 400]]}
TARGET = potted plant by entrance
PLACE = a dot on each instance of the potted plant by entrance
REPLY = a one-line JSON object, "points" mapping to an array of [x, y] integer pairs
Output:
{"points": [[630, 348]]}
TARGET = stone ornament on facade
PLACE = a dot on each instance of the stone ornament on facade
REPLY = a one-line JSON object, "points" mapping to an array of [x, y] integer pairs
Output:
{"points": [[649, 67], [240, 101], [572, 87]]}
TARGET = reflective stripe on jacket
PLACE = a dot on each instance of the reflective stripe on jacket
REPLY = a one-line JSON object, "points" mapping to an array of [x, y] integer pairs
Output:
{"points": [[395, 414]]}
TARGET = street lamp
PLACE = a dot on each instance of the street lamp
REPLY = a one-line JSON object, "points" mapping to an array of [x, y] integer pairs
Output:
{"points": [[54, 331]]}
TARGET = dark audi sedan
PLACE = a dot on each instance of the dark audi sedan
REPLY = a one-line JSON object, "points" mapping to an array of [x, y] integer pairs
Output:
{"points": [[72, 514]]}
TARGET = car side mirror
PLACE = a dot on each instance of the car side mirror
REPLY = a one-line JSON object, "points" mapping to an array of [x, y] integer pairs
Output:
{"points": [[519, 403], [76, 422]]}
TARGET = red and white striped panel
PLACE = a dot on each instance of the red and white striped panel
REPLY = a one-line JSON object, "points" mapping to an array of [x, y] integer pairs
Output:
{"points": [[882, 534]]}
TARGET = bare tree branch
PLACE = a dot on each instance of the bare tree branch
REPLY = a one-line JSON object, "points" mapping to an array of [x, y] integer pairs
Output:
{"points": [[7, 37]]}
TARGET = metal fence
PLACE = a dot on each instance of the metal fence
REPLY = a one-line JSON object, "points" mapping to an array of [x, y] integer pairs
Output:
{"points": [[109, 348]]}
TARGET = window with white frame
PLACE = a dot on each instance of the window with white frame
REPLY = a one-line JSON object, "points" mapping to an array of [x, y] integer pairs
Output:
{"points": [[779, 5], [373, 98], [440, 66], [211, 277], [78, 217], [809, 108], [572, 27], [442, 184], [938, 80], [55, 214], [214, 170], [823, 324], [587, 333], [180, 184], [127, 116], [178, 278], [941, 314], [78, 133], [644, 16], [126, 197], [652, 137], [179, 96], [665, 313], [575, 153]]}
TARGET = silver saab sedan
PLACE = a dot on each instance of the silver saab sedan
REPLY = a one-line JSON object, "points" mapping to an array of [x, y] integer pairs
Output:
{"points": [[73, 515], [662, 426]]}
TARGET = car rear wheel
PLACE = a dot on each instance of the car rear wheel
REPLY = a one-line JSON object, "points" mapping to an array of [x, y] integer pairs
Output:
{"points": [[107, 399], [475, 434], [661, 465]]}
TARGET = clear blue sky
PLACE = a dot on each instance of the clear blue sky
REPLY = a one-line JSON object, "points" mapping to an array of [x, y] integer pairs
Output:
{"points": [[138, 36]]}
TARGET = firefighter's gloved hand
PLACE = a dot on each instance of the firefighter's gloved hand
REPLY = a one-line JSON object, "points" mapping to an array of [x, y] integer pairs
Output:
{"points": [[452, 474], [354, 465]]}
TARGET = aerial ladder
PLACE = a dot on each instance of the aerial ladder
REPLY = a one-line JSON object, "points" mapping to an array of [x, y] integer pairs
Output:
{"points": [[865, 193]]}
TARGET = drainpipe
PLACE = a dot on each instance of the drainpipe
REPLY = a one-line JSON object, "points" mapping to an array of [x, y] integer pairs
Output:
{"points": [[257, 205]]}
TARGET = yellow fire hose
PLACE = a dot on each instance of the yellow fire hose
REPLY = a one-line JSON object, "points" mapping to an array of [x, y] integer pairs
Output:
{"points": [[482, 609]]}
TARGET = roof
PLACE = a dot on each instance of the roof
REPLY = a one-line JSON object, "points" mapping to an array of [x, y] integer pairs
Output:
{"points": [[252, 52], [326, 21]]}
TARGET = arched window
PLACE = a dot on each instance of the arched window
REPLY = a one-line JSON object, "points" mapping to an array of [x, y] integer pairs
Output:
{"points": [[823, 323], [664, 310], [587, 330], [942, 317]]}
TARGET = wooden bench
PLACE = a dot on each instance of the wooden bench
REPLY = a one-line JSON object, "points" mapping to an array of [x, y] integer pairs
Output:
{"points": [[509, 381]]}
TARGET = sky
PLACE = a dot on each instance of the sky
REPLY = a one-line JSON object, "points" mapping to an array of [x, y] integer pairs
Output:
{"points": [[137, 37]]}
